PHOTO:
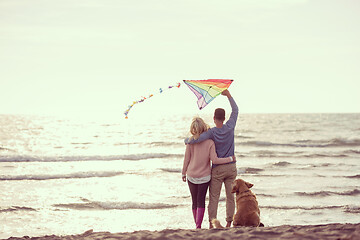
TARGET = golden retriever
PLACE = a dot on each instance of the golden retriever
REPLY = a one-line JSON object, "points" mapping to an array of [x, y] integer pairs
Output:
{"points": [[247, 209]]}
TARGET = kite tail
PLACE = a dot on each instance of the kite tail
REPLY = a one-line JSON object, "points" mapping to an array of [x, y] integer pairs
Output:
{"points": [[161, 90]]}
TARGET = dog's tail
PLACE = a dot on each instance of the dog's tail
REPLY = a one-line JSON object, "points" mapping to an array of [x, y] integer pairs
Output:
{"points": [[216, 223]]}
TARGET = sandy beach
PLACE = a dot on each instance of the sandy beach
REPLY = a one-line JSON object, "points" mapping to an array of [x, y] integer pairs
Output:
{"points": [[326, 231]]}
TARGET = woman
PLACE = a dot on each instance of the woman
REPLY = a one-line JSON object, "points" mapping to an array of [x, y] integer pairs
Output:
{"points": [[197, 168]]}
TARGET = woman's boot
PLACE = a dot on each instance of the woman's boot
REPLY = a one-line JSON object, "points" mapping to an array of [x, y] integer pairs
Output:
{"points": [[199, 216]]}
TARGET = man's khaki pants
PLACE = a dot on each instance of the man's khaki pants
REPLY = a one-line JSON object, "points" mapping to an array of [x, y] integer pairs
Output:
{"points": [[220, 174]]}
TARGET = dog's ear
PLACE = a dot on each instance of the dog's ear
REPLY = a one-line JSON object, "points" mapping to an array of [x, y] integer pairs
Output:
{"points": [[249, 185]]}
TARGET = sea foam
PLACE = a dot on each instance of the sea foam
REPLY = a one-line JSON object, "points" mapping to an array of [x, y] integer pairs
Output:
{"points": [[60, 176]]}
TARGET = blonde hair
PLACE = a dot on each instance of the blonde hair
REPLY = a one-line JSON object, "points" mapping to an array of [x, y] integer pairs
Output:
{"points": [[197, 127]]}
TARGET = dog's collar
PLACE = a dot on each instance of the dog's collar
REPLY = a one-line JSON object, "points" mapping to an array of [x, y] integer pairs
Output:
{"points": [[243, 191]]}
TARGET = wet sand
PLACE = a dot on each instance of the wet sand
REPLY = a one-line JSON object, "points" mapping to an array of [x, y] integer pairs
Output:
{"points": [[326, 231]]}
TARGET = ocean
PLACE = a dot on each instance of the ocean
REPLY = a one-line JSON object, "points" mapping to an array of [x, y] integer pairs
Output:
{"points": [[65, 175]]}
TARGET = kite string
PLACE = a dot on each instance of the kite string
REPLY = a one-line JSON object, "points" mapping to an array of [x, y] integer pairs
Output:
{"points": [[161, 90]]}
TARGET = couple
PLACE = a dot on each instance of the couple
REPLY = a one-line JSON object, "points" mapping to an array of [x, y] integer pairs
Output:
{"points": [[200, 150]]}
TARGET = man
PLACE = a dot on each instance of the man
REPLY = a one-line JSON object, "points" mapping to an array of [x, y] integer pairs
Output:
{"points": [[223, 136]]}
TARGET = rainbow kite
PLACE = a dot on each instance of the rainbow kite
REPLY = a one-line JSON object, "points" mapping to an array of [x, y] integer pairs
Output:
{"points": [[207, 90]]}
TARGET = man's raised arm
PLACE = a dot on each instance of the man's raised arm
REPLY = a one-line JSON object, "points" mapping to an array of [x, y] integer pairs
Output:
{"points": [[234, 109]]}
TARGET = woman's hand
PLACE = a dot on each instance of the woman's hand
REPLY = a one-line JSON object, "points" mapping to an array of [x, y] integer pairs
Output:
{"points": [[233, 158], [184, 178]]}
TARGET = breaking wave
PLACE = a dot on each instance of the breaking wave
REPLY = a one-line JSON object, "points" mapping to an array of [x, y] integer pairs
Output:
{"points": [[162, 144], [353, 176], [149, 156], [60, 176], [352, 151], [16, 208], [336, 142], [249, 170], [5, 149], [171, 170], [281, 164], [346, 208], [130, 157], [354, 192], [264, 195], [352, 209], [87, 205], [301, 207], [298, 154], [243, 137]]}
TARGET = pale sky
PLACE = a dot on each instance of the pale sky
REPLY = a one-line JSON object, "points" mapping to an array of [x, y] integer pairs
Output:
{"points": [[97, 56]]}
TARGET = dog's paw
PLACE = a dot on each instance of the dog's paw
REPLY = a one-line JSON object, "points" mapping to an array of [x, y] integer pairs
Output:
{"points": [[216, 223]]}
